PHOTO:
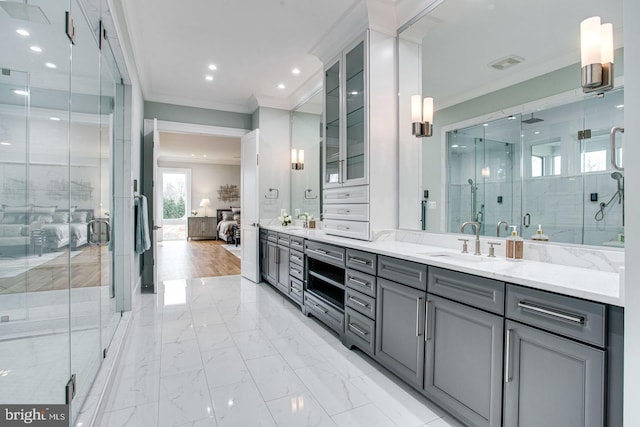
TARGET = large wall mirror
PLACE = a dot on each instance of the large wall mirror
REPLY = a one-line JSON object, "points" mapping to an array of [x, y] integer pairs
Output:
{"points": [[306, 183], [515, 138]]}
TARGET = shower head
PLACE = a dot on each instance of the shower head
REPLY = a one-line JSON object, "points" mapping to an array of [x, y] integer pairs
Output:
{"points": [[532, 120], [618, 177], [24, 11], [470, 181]]}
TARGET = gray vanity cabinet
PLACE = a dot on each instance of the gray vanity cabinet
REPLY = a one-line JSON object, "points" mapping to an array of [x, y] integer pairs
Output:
{"points": [[400, 330], [463, 361], [551, 381], [283, 269], [272, 263], [264, 255]]}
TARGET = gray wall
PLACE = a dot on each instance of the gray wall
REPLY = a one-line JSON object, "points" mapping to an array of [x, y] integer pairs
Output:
{"points": [[193, 115]]}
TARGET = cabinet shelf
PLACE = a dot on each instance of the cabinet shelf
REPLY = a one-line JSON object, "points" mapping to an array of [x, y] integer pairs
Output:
{"points": [[326, 279]]}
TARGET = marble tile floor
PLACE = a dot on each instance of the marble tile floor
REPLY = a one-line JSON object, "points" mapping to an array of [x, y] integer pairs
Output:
{"points": [[224, 351]]}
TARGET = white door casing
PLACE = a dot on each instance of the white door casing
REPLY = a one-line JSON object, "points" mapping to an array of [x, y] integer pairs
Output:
{"points": [[250, 268]]}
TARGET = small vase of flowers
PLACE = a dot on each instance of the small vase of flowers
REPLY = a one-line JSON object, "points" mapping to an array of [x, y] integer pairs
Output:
{"points": [[194, 213], [285, 219]]}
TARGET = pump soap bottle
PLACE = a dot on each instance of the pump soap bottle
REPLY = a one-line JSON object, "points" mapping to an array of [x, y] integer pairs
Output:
{"points": [[515, 245], [540, 236]]}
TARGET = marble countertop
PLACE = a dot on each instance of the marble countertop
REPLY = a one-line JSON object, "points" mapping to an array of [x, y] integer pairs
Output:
{"points": [[589, 284]]}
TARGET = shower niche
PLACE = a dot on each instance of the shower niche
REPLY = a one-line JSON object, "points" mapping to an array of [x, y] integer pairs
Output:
{"points": [[552, 167]]}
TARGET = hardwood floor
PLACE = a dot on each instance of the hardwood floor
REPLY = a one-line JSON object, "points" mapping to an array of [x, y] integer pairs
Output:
{"points": [[179, 259]]}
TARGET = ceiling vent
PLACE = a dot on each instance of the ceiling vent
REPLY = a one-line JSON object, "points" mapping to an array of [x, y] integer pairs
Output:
{"points": [[506, 62]]}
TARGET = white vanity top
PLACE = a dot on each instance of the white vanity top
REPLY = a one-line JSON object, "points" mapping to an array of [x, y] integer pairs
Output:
{"points": [[589, 284]]}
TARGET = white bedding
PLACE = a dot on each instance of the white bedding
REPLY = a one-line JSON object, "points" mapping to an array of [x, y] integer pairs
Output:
{"points": [[60, 234], [225, 229]]}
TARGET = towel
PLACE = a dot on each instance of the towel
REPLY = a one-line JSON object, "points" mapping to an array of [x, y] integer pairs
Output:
{"points": [[143, 240]]}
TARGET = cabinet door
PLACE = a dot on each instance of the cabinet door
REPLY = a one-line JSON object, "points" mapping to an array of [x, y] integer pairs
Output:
{"points": [[332, 113], [551, 381], [283, 269], [463, 361], [272, 261], [264, 258], [400, 330], [355, 136]]}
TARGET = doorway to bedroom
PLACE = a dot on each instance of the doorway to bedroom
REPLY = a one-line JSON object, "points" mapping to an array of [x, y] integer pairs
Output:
{"points": [[175, 202]]}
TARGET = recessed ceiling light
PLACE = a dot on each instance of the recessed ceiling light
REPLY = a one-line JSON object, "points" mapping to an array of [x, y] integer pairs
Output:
{"points": [[511, 117], [281, 86], [296, 71], [209, 78], [21, 92], [620, 107], [50, 65], [537, 132], [485, 125], [355, 92], [36, 49], [5, 143], [22, 32], [193, 155], [54, 119], [212, 67], [455, 146], [204, 155]]}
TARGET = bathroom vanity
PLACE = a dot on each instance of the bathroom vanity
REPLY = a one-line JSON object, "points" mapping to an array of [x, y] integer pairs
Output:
{"points": [[495, 343]]}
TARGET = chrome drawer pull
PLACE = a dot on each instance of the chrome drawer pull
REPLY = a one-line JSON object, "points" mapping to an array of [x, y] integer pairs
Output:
{"points": [[418, 316], [357, 301], [358, 330], [359, 282], [507, 358], [427, 336], [296, 290], [296, 270], [297, 258], [359, 261], [344, 211], [319, 307], [318, 251], [538, 309], [342, 227]]}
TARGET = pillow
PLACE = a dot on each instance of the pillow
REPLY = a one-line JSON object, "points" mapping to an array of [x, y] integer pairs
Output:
{"points": [[60, 217], [227, 216], [47, 210], [79, 217], [235, 210], [15, 209], [44, 219], [236, 217], [13, 218], [11, 231]]}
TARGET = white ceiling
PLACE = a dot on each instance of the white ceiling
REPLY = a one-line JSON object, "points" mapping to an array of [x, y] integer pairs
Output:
{"points": [[196, 148], [255, 44]]}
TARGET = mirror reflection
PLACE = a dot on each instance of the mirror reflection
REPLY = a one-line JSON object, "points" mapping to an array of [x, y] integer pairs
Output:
{"points": [[305, 136], [515, 138]]}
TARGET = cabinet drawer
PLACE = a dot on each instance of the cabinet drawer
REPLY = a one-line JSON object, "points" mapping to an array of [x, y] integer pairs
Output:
{"points": [[330, 254], [296, 243], [363, 261], [283, 239], [296, 257], [353, 212], [361, 303], [359, 194], [572, 317], [361, 282], [296, 271], [352, 229], [360, 331], [295, 290], [324, 312], [404, 272], [476, 291], [272, 236]]}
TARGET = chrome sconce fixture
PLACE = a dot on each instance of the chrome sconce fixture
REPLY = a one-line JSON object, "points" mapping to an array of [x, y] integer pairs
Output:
{"points": [[596, 54], [297, 159], [421, 116]]}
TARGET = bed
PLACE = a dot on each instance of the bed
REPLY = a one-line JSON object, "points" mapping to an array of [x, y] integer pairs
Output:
{"points": [[67, 229], [228, 220]]}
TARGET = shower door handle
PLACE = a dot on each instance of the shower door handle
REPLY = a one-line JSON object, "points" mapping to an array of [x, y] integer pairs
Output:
{"points": [[612, 141]]}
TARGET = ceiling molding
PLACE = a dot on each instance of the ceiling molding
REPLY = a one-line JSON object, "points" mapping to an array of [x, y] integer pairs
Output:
{"points": [[190, 102], [191, 160], [190, 128], [382, 16]]}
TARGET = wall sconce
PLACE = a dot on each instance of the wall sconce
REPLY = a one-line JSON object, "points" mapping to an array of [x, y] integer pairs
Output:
{"points": [[297, 159], [485, 172], [205, 203], [421, 116], [596, 54]]}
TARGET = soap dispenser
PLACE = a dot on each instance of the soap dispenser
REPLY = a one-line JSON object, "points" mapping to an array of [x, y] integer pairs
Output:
{"points": [[540, 236], [515, 245]]}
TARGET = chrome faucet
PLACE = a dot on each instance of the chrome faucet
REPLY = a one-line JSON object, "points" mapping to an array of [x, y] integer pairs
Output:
{"points": [[506, 227], [477, 227]]}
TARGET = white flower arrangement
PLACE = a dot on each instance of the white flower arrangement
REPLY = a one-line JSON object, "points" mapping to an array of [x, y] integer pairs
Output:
{"points": [[194, 213], [285, 219]]}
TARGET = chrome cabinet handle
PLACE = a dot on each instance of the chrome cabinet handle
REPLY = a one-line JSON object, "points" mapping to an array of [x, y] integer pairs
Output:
{"points": [[540, 309], [427, 336], [296, 290], [357, 301], [358, 330], [612, 141], [507, 357], [359, 261], [342, 227], [319, 308], [296, 270], [297, 258], [418, 305], [318, 251], [359, 282], [344, 211]]}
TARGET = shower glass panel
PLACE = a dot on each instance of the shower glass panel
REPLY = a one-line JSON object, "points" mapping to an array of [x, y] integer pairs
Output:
{"points": [[34, 270]]}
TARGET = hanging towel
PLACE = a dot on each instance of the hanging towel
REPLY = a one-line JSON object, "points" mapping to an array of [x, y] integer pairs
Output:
{"points": [[143, 241]]}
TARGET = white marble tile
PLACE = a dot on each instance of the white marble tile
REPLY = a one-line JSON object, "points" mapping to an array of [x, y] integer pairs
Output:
{"points": [[206, 316], [274, 377], [241, 321], [240, 404], [134, 386], [224, 366], [299, 409], [184, 398], [213, 337], [178, 331], [331, 389], [350, 363], [297, 352], [134, 416], [363, 416], [180, 357], [404, 406], [252, 344]]}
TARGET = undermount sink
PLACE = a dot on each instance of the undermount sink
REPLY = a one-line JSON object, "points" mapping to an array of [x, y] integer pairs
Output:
{"points": [[454, 255]]}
